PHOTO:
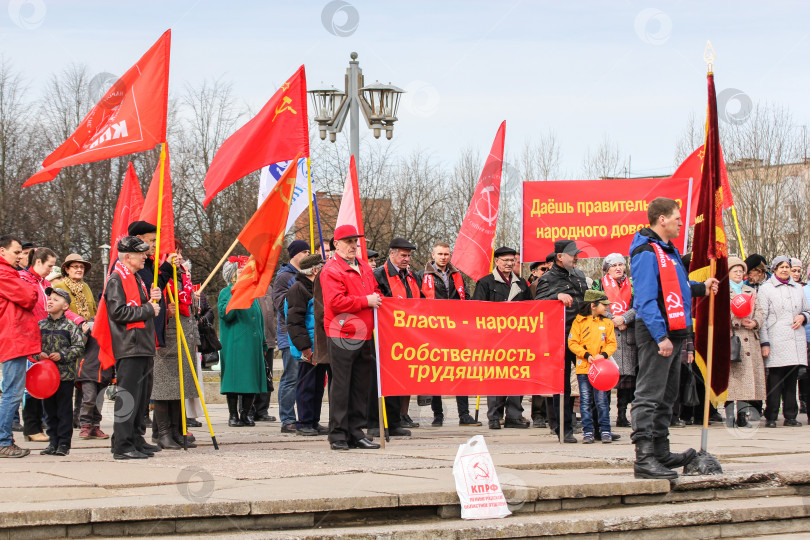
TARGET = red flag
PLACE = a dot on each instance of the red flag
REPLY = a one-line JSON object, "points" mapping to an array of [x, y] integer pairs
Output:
{"points": [[131, 117], [472, 253], [709, 244], [277, 133], [150, 208], [127, 210], [263, 236], [350, 212], [691, 168]]}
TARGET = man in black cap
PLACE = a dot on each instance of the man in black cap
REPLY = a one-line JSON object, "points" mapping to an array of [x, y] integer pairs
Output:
{"points": [[297, 250], [28, 249], [395, 280], [566, 283], [372, 258], [503, 285], [131, 317], [538, 269], [147, 233], [757, 270]]}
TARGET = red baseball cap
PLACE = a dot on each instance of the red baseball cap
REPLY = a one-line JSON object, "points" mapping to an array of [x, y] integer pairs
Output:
{"points": [[346, 231]]}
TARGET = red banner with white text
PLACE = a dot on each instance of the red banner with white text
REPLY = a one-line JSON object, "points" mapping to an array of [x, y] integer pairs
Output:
{"points": [[467, 348], [601, 215]]}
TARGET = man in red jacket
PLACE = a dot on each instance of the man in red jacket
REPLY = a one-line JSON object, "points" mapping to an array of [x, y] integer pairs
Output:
{"points": [[350, 295], [19, 338]]}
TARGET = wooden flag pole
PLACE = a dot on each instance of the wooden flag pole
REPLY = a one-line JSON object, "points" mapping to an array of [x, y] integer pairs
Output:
{"points": [[217, 267], [160, 212], [704, 435]]}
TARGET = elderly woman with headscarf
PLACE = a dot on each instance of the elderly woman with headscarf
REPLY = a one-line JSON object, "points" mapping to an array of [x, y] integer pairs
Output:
{"points": [[785, 310], [619, 289], [241, 332], [166, 429], [746, 382]]}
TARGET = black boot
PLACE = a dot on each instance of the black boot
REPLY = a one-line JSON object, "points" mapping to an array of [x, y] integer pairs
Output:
{"points": [[621, 418], [164, 427], [246, 417], [233, 410], [175, 417], [667, 458], [646, 466]]}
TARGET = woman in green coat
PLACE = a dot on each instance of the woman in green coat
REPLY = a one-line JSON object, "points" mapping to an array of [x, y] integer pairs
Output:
{"points": [[241, 332]]}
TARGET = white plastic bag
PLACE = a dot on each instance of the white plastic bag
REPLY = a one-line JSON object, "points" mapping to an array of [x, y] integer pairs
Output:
{"points": [[477, 482]]}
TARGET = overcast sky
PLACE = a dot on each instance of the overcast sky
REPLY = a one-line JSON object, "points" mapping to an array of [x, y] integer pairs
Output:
{"points": [[633, 70]]}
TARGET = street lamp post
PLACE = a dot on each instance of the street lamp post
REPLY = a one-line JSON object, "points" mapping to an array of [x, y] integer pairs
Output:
{"points": [[105, 258], [379, 103]]}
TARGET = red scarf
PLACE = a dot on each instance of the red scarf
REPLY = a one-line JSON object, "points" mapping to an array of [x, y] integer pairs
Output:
{"points": [[671, 289], [429, 287], [620, 296], [397, 287], [101, 329]]}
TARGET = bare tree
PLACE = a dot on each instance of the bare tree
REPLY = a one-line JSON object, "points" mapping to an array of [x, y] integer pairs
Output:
{"points": [[540, 160], [604, 162]]}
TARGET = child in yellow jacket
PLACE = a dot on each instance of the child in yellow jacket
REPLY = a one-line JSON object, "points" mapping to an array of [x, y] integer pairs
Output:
{"points": [[593, 339]]}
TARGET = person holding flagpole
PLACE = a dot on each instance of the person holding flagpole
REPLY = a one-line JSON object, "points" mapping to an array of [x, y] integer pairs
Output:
{"points": [[663, 305]]}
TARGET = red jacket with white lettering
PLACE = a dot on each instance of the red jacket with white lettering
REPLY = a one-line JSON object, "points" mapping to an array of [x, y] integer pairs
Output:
{"points": [[19, 329], [345, 307]]}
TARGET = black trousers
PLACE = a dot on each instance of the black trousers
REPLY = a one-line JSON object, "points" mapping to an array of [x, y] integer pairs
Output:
{"points": [[781, 386], [132, 399], [538, 407], [262, 402], [309, 392], [497, 404], [59, 414], [656, 386], [462, 402], [90, 414], [568, 404], [392, 405], [32, 416], [352, 365]]}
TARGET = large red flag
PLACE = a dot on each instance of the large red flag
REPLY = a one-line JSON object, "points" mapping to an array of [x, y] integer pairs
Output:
{"points": [[710, 245], [350, 212], [691, 168], [127, 210], [472, 253], [131, 117], [263, 236], [277, 133], [150, 207]]}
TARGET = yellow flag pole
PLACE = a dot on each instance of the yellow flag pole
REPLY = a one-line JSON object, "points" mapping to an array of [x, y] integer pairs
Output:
{"points": [[160, 211], [175, 298], [311, 215]]}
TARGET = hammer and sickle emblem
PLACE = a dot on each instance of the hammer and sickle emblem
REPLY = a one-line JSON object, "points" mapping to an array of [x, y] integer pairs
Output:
{"points": [[673, 302], [285, 106]]}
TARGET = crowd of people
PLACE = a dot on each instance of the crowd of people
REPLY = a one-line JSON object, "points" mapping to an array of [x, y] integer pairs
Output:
{"points": [[318, 316]]}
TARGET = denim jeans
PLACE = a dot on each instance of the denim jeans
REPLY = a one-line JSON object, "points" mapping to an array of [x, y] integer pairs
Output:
{"points": [[286, 388], [587, 393], [13, 388]]}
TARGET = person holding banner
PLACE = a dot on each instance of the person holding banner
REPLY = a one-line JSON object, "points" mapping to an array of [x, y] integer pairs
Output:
{"points": [[394, 279], [503, 285], [442, 280], [350, 295], [619, 289], [566, 283], [663, 305]]}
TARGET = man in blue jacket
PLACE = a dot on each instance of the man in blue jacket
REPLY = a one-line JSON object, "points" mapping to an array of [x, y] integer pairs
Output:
{"points": [[663, 304]]}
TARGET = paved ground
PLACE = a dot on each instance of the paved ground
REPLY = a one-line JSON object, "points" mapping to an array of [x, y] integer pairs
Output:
{"points": [[261, 459]]}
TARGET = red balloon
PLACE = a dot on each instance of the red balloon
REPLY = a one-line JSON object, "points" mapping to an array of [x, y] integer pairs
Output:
{"points": [[42, 379], [742, 305], [603, 375]]}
